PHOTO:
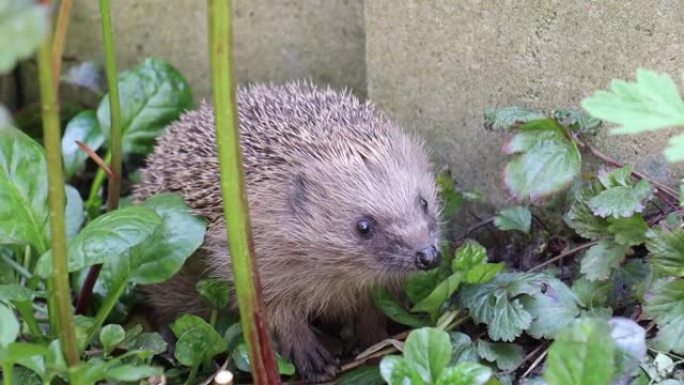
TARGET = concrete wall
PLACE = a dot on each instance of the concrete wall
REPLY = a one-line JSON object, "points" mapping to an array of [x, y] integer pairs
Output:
{"points": [[274, 40], [436, 65]]}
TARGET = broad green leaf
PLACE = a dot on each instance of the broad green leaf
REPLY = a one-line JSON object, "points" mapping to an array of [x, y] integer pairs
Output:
{"points": [[462, 348], [75, 213], [9, 325], [552, 305], [23, 27], [152, 95], [650, 103], [667, 250], [546, 160], [628, 231], [28, 355], [110, 336], [197, 340], [421, 284], [439, 295], [131, 373], [581, 355], [162, 254], [241, 359], [580, 217], [630, 342], [84, 128], [504, 119], [215, 291], [507, 356], [577, 121], [385, 301], [466, 373], [151, 342], [498, 303], [16, 293], [23, 191], [397, 371], [470, 263], [106, 238], [601, 259], [428, 350], [364, 375], [591, 294], [514, 218], [665, 303], [621, 201]]}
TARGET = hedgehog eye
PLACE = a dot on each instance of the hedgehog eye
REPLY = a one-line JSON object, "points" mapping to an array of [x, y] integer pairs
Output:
{"points": [[365, 227], [423, 204]]}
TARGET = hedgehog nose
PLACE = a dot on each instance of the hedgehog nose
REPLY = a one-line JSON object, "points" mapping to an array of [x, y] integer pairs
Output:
{"points": [[428, 258]]}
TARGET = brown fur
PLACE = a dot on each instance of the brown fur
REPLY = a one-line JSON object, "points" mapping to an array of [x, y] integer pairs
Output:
{"points": [[315, 162]]}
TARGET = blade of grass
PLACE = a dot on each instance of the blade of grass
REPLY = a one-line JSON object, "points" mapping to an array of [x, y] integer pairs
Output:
{"points": [[247, 286], [61, 294]]}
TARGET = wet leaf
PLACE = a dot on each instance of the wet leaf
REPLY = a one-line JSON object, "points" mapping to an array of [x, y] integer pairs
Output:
{"points": [[85, 128]]}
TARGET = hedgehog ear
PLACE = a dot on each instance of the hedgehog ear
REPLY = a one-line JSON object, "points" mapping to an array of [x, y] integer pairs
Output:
{"points": [[300, 198]]}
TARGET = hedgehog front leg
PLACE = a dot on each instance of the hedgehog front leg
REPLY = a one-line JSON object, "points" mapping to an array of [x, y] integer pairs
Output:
{"points": [[299, 343]]}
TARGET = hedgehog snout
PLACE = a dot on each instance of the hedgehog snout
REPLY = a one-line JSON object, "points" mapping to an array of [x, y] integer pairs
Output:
{"points": [[428, 258]]}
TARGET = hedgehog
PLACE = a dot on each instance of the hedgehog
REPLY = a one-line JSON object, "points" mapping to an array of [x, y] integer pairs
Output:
{"points": [[341, 202]]}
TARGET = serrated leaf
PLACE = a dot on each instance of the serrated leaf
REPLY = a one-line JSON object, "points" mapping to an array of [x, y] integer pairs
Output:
{"points": [[197, 340], [578, 121], [667, 250], [552, 305], [470, 262], [384, 301], [23, 27], [152, 95], [665, 304], [106, 238], [131, 373], [652, 102], [241, 359], [85, 128], [215, 291], [23, 191], [581, 355], [110, 336], [601, 259], [621, 201], [507, 356], [397, 371], [462, 348], [514, 218], [547, 161], [465, 373], [428, 350], [439, 295], [9, 325], [618, 177], [510, 117], [580, 217], [628, 231]]}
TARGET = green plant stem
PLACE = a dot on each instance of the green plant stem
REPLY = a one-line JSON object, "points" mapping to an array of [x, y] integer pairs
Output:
{"points": [[93, 201], [114, 188], [247, 285], [192, 375], [60, 281], [7, 374], [106, 308], [26, 311], [212, 317], [19, 268]]}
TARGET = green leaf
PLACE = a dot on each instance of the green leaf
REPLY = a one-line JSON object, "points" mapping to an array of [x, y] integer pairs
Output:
{"points": [[552, 305], [197, 340], [580, 217], [161, 255], [16, 293], [132, 373], [452, 199], [428, 350], [385, 301], [364, 375], [581, 355], [577, 121], [651, 103], [83, 128], [547, 161], [667, 250], [110, 336], [618, 177], [601, 259], [241, 358], [621, 201], [397, 371], [9, 325], [75, 213], [462, 348], [630, 343], [471, 264], [510, 117], [439, 295], [628, 231], [675, 150], [514, 218], [665, 304], [465, 373], [150, 342], [23, 26], [25, 354], [215, 291], [152, 95], [23, 191], [421, 284], [507, 356], [106, 238], [591, 294]]}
